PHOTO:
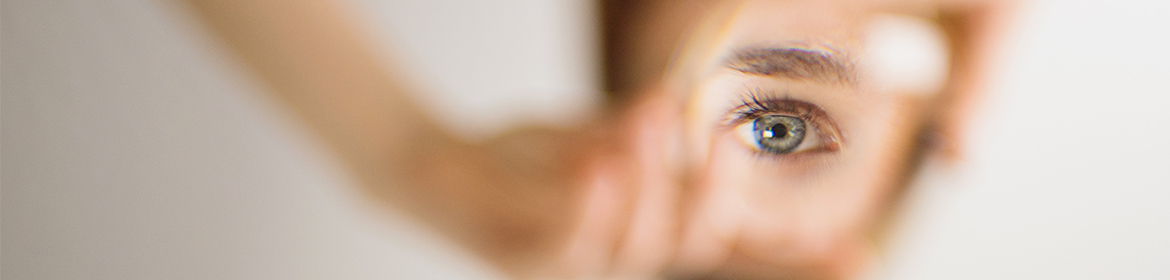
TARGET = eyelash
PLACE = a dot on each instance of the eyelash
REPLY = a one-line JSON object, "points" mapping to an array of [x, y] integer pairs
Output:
{"points": [[755, 104]]}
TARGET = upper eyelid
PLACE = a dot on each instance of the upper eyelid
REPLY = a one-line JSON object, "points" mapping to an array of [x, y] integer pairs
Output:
{"points": [[757, 101], [749, 110], [750, 102]]}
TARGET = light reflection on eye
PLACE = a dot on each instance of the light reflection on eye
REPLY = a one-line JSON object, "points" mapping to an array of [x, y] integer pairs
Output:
{"points": [[781, 127]]}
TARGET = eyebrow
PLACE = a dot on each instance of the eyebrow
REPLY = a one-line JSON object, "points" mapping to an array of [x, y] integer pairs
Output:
{"points": [[793, 63]]}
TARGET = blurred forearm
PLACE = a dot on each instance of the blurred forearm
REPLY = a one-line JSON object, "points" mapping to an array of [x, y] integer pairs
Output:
{"points": [[316, 59]]}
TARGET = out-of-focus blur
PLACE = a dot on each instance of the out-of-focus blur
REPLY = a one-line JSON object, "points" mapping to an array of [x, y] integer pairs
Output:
{"points": [[136, 146]]}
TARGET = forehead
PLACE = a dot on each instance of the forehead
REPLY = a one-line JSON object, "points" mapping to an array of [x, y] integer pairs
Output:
{"points": [[810, 25], [793, 18]]}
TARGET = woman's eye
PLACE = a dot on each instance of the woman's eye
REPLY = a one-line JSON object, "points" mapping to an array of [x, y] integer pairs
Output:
{"points": [[780, 127], [778, 134]]}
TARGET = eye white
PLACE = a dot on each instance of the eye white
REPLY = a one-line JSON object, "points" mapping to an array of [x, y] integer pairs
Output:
{"points": [[746, 134]]}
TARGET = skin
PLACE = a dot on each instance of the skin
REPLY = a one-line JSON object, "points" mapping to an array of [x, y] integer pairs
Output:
{"points": [[801, 214], [656, 186]]}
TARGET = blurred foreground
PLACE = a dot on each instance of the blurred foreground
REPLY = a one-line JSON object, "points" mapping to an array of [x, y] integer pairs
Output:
{"points": [[133, 149]]}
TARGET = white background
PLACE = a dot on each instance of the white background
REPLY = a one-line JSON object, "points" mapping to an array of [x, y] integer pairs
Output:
{"points": [[1069, 171], [133, 148]]}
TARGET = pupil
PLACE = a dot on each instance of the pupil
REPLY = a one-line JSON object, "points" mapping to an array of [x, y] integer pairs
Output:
{"points": [[779, 131]]}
